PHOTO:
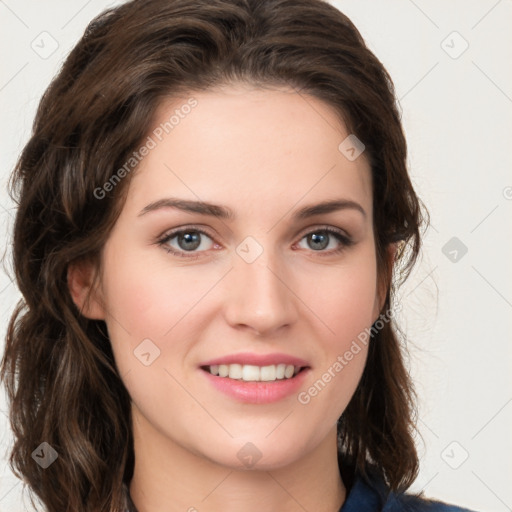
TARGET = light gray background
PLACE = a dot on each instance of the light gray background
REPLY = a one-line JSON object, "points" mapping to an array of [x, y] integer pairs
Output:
{"points": [[457, 111]]}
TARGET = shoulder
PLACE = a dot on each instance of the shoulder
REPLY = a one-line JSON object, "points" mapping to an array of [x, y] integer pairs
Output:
{"points": [[371, 494], [406, 502]]}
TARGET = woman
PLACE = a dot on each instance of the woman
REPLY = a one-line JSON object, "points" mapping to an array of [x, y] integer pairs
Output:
{"points": [[213, 211]]}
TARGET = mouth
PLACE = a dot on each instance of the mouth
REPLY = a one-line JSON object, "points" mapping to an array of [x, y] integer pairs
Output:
{"points": [[253, 378], [253, 373]]}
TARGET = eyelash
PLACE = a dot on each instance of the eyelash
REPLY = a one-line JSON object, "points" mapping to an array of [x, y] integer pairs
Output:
{"points": [[344, 240]]}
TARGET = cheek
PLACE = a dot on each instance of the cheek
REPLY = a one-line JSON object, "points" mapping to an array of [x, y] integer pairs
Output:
{"points": [[342, 297], [148, 298], [157, 309], [146, 305], [344, 301]]}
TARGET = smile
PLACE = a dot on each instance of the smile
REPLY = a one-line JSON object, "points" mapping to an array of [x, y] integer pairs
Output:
{"points": [[252, 373]]}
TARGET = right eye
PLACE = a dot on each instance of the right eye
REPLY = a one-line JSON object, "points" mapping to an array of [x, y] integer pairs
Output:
{"points": [[184, 242]]}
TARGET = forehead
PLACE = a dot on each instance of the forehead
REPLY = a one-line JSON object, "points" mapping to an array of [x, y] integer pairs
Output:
{"points": [[246, 147]]}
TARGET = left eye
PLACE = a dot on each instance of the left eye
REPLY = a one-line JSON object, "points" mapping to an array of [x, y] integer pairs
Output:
{"points": [[320, 239]]}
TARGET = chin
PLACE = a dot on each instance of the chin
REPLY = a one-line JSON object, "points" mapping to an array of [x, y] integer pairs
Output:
{"points": [[257, 455]]}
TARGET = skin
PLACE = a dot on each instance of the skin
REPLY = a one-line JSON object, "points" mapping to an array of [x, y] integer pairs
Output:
{"points": [[264, 153]]}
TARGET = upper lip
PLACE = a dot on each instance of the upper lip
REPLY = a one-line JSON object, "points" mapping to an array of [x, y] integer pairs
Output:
{"points": [[257, 360]]}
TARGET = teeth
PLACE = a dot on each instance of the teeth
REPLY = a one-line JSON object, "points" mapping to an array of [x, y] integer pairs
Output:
{"points": [[251, 373], [268, 373], [235, 371]]}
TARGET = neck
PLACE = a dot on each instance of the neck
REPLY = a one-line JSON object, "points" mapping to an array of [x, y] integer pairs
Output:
{"points": [[167, 478]]}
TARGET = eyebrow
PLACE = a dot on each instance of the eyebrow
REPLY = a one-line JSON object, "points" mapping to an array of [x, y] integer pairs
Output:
{"points": [[223, 212]]}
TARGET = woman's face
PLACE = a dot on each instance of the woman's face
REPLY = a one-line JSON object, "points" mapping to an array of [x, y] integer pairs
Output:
{"points": [[264, 287]]}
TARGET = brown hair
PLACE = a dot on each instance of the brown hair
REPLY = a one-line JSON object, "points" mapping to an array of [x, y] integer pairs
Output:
{"points": [[58, 367]]}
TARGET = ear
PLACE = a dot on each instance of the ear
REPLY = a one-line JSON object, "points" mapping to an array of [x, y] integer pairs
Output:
{"points": [[384, 281], [82, 285]]}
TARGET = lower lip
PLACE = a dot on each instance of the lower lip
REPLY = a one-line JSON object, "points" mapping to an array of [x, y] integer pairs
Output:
{"points": [[257, 392]]}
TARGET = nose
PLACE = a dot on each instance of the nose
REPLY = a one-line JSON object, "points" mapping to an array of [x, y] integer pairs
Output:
{"points": [[259, 296]]}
